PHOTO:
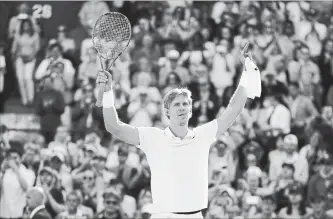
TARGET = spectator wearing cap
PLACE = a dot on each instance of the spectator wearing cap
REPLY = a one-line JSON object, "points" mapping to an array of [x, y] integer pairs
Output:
{"points": [[296, 204], [112, 205], [222, 157], [128, 203], [321, 183], [143, 108], [220, 204], [312, 32], [57, 162], [49, 181], [171, 65], [35, 204], [291, 156], [55, 56], [15, 180]]}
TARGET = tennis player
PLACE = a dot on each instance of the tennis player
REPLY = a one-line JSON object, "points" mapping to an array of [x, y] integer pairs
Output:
{"points": [[178, 156]]}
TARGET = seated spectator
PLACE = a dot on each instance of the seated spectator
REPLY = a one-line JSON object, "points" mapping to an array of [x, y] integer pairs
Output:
{"points": [[312, 32], [275, 117], [205, 105], [66, 43], [320, 183], [302, 111], [112, 201], [267, 208], [172, 81], [72, 208], [171, 65], [296, 206], [89, 68], [291, 156], [53, 193]]}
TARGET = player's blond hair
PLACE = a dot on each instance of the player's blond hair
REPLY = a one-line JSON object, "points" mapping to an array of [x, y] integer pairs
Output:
{"points": [[173, 94]]}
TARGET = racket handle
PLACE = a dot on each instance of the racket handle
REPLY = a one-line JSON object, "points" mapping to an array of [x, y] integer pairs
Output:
{"points": [[101, 88]]}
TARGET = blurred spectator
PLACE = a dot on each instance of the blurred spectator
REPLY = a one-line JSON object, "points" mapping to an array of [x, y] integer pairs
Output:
{"points": [[15, 180], [50, 104], [35, 204], [171, 65], [3, 71], [89, 68], [55, 63], [72, 208], [291, 156], [26, 44], [302, 112], [67, 44], [90, 11], [24, 13], [296, 205]]}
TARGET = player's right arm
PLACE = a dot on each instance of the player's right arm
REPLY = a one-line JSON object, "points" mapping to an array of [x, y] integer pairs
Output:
{"points": [[124, 132]]}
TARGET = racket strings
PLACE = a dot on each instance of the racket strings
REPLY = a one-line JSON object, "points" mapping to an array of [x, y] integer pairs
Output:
{"points": [[111, 35]]}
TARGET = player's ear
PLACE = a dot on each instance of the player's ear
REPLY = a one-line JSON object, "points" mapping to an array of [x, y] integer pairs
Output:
{"points": [[166, 111]]}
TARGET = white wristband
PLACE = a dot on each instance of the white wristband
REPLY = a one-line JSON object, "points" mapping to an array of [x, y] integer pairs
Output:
{"points": [[108, 99]]}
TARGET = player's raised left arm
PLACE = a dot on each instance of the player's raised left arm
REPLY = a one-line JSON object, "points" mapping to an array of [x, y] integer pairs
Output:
{"points": [[249, 87]]}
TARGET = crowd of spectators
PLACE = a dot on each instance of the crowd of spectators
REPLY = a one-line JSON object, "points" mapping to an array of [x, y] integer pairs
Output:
{"points": [[276, 160]]}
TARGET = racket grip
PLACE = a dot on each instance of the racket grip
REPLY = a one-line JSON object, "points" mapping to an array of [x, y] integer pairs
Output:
{"points": [[101, 88]]}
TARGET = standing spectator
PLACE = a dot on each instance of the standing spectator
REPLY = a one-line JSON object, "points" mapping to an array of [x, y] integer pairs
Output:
{"points": [[50, 104], [302, 112], [24, 11], [15, 180], [25, 47], [35, 204]]}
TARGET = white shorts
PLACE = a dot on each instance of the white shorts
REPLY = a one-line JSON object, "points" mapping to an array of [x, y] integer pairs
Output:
{"points": [[176, 216]]}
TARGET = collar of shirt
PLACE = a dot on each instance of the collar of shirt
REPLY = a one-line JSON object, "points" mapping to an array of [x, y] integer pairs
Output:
{"points": [[189, 135], [36, 210]]}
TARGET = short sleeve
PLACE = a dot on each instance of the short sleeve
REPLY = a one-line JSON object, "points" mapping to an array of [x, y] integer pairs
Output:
{"points": [[149, 137], [207, 131]]}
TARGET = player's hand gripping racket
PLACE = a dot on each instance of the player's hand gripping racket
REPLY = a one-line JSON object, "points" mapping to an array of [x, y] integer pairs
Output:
{"points": [[111, 36]]}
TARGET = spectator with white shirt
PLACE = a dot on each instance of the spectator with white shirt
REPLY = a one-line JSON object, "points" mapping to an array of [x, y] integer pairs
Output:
{"points": [[53, 57], [15, 180]]}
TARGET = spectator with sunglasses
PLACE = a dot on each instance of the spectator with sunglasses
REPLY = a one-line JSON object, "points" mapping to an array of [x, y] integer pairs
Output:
{"points": [[112, 205]]}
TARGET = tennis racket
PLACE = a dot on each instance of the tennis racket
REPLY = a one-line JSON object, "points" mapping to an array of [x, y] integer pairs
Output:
{"points": [[111, 36]]}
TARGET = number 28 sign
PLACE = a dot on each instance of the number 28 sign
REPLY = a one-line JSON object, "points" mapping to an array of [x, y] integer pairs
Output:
{"points": [[40, 11]]}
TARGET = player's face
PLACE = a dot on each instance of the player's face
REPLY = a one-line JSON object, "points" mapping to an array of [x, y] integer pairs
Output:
{"points": [[180, 110]]}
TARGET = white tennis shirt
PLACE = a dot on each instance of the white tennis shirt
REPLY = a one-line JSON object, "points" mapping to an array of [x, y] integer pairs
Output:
{"points": [[179, 168]]}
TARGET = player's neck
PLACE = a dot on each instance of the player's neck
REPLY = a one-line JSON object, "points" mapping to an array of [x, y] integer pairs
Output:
{"points": [[179, 131]]}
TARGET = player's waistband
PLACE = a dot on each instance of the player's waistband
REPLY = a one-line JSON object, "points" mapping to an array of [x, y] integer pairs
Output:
{"points": [[191, 212]]}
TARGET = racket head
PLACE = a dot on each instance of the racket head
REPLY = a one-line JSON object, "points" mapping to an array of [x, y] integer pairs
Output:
{"points": [[111, 35]]}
